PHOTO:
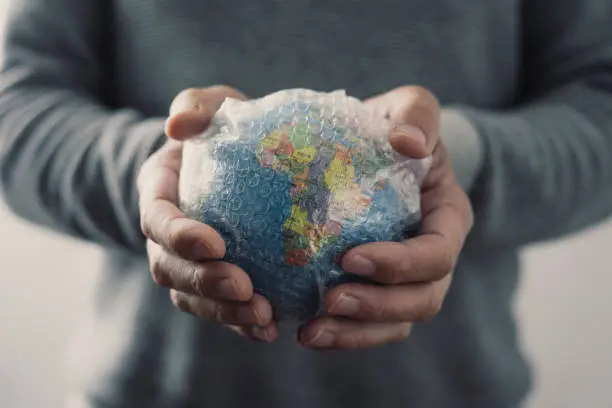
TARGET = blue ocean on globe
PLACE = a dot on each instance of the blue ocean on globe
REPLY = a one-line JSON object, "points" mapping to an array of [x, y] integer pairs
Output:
{"points": [[291, 193]]}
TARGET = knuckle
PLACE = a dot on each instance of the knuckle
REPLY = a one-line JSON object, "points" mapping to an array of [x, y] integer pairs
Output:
{"points": [[197, 281], [355, 340], [384, 308], [377, 311]]}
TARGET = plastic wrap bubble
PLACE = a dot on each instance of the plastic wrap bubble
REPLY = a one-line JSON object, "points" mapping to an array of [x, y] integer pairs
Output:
{"points": [[292, 181]]}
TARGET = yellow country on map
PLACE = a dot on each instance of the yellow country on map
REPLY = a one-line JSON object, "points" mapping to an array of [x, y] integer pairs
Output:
{"points": [[304, 155], [298, 221], [339, 176]]}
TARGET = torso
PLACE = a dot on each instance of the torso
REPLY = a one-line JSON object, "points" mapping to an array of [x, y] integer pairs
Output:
{"points": [[145, 353]]}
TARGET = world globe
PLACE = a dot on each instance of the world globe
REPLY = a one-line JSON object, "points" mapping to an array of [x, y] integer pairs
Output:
{"points": [[291, 182]]}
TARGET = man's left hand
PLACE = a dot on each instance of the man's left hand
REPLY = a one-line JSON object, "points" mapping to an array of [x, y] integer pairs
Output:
{"points": [[415, 275]]}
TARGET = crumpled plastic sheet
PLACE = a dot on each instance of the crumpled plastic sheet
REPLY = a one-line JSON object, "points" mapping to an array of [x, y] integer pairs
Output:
{"points": [[292, 181]]}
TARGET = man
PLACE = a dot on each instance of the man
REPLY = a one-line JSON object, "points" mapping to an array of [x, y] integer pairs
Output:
{"points": [[518, 93]]}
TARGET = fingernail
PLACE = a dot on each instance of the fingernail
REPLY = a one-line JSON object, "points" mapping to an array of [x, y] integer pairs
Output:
{"points": [[345, 305], [261, 333], [227, 289], [323, 339], [249, 315], [360, 265], [411, 132]]}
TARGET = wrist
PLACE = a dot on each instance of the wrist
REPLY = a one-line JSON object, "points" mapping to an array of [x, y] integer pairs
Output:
{"points": [[464, 146]]}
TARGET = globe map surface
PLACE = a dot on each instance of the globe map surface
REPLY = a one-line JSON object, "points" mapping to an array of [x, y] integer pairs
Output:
{"points": [[291, 182]]}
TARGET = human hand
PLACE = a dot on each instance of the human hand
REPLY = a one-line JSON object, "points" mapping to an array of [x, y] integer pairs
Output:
{"points": [[414, 275], [184, 255]]}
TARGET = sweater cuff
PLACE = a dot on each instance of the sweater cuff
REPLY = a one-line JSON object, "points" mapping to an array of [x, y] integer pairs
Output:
{"points": [[464, 146]]}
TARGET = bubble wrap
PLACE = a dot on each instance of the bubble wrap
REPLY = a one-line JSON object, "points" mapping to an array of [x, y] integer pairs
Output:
{"points": [[292, 181]]}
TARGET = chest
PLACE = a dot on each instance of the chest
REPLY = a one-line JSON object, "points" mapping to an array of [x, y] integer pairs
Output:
{"points": [[464, 51]]}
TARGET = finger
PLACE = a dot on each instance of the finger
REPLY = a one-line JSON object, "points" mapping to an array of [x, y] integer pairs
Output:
{"points": [[339, 333], [414, 115], [447, 219], [267, 333], [166, 225], [216, 280], [239, 330], [193, 109], [447, 216], [256, 312], [423, 259], [397, 303], [161, 220], [158, 177], [245, 331], [203, 98]]}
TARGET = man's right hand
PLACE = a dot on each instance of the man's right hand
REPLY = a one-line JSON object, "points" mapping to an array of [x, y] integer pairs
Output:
{"points": [[184, 255]]}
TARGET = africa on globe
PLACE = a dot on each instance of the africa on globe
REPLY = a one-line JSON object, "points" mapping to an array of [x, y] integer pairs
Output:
{"points": [[292, 181]]}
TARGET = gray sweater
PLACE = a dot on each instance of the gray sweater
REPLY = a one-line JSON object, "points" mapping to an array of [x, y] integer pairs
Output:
{"points": [[83, 93]]}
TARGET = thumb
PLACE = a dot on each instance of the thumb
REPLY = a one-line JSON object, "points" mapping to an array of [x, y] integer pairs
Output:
{"points": [[193, 109], [414, 113]]}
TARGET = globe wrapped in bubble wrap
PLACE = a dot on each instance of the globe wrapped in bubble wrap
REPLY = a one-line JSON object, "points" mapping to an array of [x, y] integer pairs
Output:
{"points": [[292, 181]]}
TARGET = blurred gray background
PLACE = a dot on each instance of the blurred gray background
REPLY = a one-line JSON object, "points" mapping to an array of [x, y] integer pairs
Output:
{"points": [[564, 309]]}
